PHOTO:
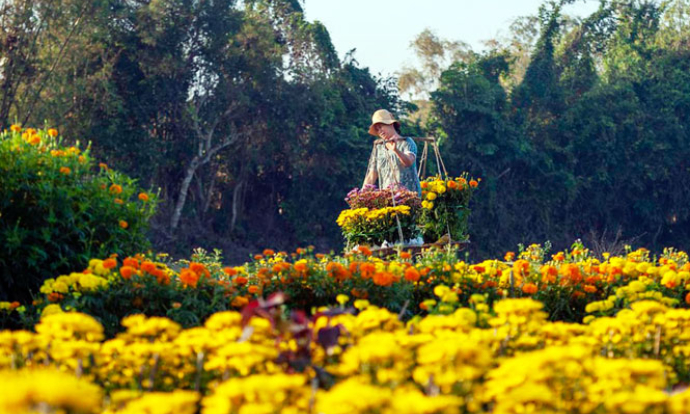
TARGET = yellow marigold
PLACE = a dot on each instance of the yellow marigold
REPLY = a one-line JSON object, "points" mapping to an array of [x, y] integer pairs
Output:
{"points": [[51, 309], [342, 299], [53, 132], [15, 128], [70, 326], [51, 390]]}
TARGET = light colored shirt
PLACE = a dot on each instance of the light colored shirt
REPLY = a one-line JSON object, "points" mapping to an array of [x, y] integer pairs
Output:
{"points": [[391, 170]]}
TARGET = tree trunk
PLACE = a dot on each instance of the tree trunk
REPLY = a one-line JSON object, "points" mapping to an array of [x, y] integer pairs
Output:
{"points": [[184, 188], [198, 160]]}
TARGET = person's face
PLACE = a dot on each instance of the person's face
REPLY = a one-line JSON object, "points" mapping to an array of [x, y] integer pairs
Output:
{"points": [[384, 130]]}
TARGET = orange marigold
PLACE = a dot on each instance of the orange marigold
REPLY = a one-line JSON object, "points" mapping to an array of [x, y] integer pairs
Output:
{"points": [[199, 269], [143, 197], [269, 252], [148, 266], [548, 274], [55, 297], [109, 263], [127, 272], [530, 288], [189, 277], [124, 224], [354, 266], [474, 183], [364, 250], [253, 289], [229, 271], [383, 278], [687, 298], [359, 293], [412, 274], [15, 128], [115, 189], [131, 262], [301, 267], [53, 132], [571, 273], [405, 255], [590, 288], [241, 280], [239, 302], [521, 268], [367, 270]]}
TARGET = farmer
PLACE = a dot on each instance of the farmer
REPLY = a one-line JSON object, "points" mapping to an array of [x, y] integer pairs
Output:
{"points": [[394, 158]]}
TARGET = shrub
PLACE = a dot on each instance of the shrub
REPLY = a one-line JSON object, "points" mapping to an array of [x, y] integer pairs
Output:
{"points": [[58, 209]]}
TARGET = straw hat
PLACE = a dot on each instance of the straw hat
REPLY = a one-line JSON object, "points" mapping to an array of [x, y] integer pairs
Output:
{"points": [[381, 117]]}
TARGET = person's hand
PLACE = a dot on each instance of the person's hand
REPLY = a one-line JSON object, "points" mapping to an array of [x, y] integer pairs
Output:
{"points": [[389, 140]]}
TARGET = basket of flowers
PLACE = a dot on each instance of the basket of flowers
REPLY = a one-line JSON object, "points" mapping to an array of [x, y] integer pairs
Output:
{"points": [[445, 208], [378, 217]]}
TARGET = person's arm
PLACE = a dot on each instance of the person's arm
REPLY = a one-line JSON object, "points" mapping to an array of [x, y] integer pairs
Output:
{"points": [[372, 175], [371, 178], [407, 158]]}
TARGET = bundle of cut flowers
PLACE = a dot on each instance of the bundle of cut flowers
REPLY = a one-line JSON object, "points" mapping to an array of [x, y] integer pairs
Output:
{"points": [[379, 215]]}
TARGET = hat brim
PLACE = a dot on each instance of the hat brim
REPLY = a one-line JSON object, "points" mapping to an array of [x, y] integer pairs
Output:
{"points": [[373, 132]]}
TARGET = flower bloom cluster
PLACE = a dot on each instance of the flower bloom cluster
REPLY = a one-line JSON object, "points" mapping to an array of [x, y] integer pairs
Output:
{"points": [[446, 336], [445, 206], [435, 187], [376, 216], [372, 198], [507, 358]]}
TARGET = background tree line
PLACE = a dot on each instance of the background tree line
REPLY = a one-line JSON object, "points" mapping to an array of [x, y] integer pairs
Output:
{"points": [[580, 127], [254, 129]]}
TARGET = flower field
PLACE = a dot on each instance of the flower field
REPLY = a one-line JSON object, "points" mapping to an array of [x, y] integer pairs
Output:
{"points": [[304, 332]]}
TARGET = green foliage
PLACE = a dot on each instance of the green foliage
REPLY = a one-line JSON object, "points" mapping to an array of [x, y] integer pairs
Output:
{"points": [[58, 209], [188, 307], [575, 125], [446, 210], [592, 140]]}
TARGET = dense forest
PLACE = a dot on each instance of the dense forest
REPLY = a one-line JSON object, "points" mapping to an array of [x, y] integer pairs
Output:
{"points": [[253, 129]]}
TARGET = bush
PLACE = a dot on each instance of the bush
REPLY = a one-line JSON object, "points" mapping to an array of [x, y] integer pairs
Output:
{"points": [[58, 209]]}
